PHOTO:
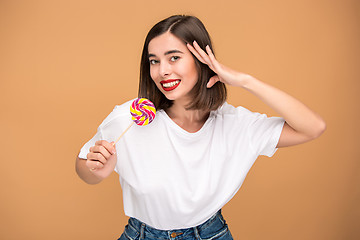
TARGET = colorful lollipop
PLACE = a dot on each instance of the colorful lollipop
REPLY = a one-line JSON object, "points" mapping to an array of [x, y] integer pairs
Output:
{"points": [[142, 111]]}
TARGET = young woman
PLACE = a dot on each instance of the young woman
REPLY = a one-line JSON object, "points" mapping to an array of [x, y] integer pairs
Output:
{"points": [[179, 171]]}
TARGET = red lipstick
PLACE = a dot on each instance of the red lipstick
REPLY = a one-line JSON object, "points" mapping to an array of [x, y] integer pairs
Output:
{"points": [[170, 84]]}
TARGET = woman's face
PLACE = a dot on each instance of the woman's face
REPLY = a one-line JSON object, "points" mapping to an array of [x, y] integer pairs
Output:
{"points": [[172, 66]]}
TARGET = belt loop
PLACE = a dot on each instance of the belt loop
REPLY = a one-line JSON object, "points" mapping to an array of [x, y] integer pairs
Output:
{"points": [[142, 231], [196, 233]]}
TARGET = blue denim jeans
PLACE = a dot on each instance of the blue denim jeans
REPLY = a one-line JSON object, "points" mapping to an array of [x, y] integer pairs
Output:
{"points": [[214, 228]]}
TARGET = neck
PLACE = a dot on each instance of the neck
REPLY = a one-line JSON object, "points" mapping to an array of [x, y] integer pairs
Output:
{"points": [[190, 120]]}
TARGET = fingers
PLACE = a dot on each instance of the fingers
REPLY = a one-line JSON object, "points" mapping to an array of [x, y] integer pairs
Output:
{"points": [[94, 165], [194, 51], [204, 55], [99, 154], [108, 146], [212, 58], [207, 58]]}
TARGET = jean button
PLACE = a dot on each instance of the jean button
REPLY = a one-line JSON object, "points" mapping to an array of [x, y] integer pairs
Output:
{"points": [[174, 235]]}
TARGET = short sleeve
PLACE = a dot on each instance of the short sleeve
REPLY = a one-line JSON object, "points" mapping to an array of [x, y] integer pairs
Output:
{"points": [[264, 133], [85, 149], [110, 128]]}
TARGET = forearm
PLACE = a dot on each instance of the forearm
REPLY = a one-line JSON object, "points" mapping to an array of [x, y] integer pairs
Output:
{"points": [[302, 124], [84, 173], [297, 115]]}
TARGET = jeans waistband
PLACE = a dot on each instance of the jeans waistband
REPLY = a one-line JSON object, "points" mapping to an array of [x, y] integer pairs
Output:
{"points": [[141, 227]]}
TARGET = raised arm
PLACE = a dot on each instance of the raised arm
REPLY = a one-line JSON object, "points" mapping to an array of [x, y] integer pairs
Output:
{"points": [[302, 124]]}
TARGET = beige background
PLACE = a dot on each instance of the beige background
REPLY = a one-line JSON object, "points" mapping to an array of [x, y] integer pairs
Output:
{"points": [[64, 65]]}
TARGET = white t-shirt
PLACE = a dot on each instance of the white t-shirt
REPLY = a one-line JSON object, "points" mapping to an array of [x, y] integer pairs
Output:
{"points": [[173, 179]]}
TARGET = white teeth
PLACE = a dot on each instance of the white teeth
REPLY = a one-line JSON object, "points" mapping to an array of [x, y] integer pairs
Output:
{"points": [[171, 84]]}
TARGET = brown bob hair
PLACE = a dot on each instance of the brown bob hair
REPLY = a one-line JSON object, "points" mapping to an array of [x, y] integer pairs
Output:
{"points": [[188, 29]]}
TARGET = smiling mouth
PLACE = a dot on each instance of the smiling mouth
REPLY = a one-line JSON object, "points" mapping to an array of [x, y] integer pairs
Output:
{"points": [[170, 84]]}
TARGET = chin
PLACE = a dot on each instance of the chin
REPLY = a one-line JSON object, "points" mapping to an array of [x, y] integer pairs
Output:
{"points": [[172, 98]]}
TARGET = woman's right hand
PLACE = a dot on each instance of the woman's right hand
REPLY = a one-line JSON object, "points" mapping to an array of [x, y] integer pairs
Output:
{"points": [[101, 159]]}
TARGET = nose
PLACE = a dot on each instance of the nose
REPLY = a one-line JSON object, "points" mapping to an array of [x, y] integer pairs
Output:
{"points": [[165, 69]]}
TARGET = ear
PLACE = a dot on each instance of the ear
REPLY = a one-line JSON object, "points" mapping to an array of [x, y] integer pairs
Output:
{"points": [[212, 81]]}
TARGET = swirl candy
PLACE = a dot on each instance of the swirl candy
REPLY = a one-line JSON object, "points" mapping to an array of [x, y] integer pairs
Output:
{"points": [[142, 111]]}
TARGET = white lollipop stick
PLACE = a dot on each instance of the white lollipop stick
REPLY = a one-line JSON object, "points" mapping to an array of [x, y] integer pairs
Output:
{"points": [[123, 133]]}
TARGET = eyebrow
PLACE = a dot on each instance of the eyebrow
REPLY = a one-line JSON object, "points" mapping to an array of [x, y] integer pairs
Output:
{"points": [[167, 53]]}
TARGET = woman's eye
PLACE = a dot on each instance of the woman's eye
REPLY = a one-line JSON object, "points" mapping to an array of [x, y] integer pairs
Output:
{"points": [[152, 61], [174, 58]]}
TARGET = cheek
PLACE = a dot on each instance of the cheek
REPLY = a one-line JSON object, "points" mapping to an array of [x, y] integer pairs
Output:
{"points": [[192, 71], [152, 73]]}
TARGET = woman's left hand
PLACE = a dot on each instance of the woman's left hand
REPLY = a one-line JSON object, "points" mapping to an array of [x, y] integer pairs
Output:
{"points": [[223, 73]]}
